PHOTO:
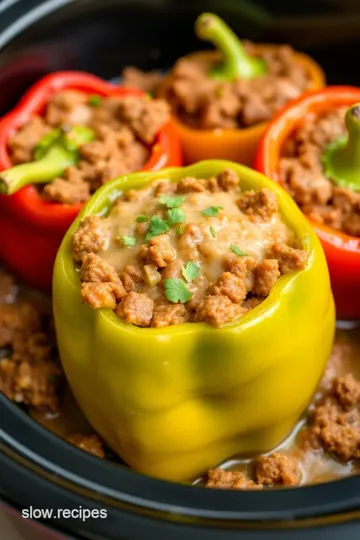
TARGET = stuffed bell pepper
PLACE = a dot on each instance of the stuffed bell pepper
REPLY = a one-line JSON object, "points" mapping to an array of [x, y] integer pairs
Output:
{"points": [[194, 315], [312, 149], [222, 100], [70, 133]]}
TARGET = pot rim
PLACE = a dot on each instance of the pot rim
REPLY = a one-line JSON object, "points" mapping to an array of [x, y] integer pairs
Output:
{"points": [[17, 15], [39, 450]]}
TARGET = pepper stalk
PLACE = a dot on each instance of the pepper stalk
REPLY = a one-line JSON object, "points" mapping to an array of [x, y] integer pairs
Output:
{"points": [[341, 158], [55, 152], [237, 63]]}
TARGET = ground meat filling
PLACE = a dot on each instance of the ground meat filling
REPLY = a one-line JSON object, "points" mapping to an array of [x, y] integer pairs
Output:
{"points": [[272, 470], [335, 420], [203, 103], [195, 251], [277, 470], [125, 128], [302, 174], [133, 77], [220, 479], [89, 443], [29, 369]]}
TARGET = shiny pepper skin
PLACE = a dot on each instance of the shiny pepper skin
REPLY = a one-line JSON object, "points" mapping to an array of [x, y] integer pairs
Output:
{"points": [[176, 401]]}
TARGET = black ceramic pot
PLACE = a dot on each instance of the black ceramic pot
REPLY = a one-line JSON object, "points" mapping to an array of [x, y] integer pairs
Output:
{"points": [[38, 469]]}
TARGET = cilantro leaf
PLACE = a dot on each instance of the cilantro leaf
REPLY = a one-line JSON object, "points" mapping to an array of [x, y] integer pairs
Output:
{"points": [[141, 219], [175, 215], [211, 211], [94, 100], [157, 226], [238, 251], [213, 232], [129, 241], [172, 202], [180, 230], [176, 291], [190, 271]]}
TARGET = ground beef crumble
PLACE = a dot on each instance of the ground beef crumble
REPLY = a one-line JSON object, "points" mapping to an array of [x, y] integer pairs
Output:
{"points": [[277, 470], [347, 391], [136, 308], [132, 276], [30, 372], [220, 479], [137, 291], [271, 470], [204, 103], [125, 128], [90, 237], [149, 81], [167, 314], [102, 295], [90, 443], [335, 420], [301, 172], [217, 310], [258, 205]]}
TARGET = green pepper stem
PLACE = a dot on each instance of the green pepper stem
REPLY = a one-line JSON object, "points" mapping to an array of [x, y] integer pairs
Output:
{"points": [[57, 155], [341, 158], [237, 63]]}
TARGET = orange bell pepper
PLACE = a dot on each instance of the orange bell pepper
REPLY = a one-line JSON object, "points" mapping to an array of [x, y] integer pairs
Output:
{"points": [[232, 144]]}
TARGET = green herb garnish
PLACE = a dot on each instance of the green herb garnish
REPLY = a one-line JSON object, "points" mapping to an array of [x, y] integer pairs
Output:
{"points": [[190, 271], [129, 241], [172, 202], [180, 230], [211, 211], [213, 232], [175, 215], [176, 291], [141, 219], [157, 226], [94, 100], [238, 251]]}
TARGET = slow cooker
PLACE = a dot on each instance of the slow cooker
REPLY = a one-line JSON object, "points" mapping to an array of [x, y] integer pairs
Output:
{"points": [[38, 469]]}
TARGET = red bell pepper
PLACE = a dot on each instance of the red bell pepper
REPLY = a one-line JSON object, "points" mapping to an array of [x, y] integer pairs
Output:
{"points": [[31, 229], [342, 251]]}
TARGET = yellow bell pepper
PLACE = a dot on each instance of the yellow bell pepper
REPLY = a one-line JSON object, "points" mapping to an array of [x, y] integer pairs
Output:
{"points": [[176, 401]]}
